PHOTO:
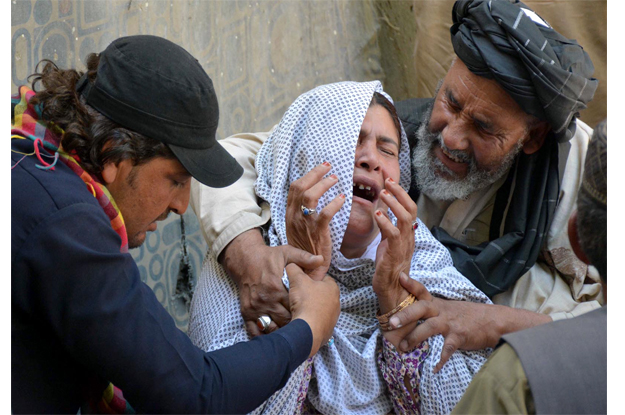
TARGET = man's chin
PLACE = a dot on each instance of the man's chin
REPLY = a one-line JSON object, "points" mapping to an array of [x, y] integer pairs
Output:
{"points": [[437, 182], [445, 175], [137, 240]]}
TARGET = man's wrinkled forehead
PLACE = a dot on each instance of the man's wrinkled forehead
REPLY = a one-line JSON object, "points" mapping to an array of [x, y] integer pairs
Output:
{"points": [[462, 87]]}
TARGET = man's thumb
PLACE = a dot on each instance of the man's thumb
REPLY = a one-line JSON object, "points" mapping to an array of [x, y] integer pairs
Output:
{"points": [[295, 275], [304, 259]]}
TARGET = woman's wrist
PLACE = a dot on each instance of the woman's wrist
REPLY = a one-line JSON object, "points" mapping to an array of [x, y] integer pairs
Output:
{"points": [[389, 300]]}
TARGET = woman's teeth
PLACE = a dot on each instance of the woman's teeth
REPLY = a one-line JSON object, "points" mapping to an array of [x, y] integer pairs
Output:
{"points": [[363, 191]]}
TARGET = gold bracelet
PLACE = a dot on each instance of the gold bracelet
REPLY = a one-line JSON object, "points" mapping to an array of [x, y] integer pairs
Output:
{"points": [[384, 319]]}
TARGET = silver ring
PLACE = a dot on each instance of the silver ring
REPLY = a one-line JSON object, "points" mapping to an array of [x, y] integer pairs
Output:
{"points": [[415, 225], [307, 211], [263, 322]]}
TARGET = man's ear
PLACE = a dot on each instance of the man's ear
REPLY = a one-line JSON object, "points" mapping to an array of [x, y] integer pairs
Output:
{"points": [[113, 171], [110, 172], [574, 238], [537, 135]]}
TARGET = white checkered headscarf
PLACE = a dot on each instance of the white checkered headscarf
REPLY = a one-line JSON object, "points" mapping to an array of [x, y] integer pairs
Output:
{"points": [[324, 125]]}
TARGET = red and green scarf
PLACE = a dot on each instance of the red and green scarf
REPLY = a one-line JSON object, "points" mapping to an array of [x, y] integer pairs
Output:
{"points": [[27, 124]]}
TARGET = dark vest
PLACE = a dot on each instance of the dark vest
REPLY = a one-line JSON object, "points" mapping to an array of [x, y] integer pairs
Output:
{"points": [[566, 363]]}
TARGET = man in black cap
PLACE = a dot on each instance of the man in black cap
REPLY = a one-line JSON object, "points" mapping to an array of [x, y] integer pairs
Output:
{"points": [[97, 160], [497, 162], [560, 367]]}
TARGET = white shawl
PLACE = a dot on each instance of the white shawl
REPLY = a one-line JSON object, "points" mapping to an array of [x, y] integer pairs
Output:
{"points": [[324, 125]]}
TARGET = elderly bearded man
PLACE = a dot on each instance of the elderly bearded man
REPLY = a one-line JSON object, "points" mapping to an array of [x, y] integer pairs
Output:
{"points": [[497, 162]]}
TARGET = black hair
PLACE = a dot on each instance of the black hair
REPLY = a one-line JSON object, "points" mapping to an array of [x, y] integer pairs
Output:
{"points": [[381, 100]]}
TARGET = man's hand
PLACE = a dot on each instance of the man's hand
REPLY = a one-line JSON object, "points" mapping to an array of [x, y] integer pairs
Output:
{"points": [[316, 302], [465, 325], [257, 269]]}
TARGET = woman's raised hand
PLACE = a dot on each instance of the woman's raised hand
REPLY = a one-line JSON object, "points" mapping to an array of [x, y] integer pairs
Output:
{"points": [[395, 251], [306, 224]]}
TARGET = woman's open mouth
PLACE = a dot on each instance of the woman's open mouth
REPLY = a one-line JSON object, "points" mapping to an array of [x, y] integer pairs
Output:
{"points": [[365, 189]]}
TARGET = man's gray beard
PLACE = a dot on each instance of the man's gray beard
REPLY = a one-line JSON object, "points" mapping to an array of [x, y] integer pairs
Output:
{"points": [[425, 165]]}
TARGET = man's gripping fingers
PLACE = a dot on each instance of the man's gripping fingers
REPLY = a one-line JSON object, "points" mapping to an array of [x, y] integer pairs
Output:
{"points": [[415, 288], [449, 347], [302, 258]]}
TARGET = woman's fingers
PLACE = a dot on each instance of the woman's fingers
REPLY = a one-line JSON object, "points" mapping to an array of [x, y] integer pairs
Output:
{"points": [[400, 203], [328, 212], [310, 197], [301, 185], [403, 216], [388, 230], [402, 196]]}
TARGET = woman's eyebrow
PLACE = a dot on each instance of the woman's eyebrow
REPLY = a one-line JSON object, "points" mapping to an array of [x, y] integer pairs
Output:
{"points": [[389, 140]]}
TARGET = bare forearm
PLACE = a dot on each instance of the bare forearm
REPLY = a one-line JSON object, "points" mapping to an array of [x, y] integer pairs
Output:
{"points": [[233, 256], [509, 320], [493, 321]]}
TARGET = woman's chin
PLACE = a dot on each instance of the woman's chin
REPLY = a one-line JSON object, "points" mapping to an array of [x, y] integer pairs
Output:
{"points": [[357, 239], [361, 224]]}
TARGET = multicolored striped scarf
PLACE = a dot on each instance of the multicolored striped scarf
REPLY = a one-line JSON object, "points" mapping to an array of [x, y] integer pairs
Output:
{"points": [[26, 123]]}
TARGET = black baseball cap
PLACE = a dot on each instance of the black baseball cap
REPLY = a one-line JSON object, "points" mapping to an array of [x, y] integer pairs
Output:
{"points": [[154, 87]]}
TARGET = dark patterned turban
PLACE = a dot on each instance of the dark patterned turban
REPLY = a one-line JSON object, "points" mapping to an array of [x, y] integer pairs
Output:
{"points": [[548, 75]]}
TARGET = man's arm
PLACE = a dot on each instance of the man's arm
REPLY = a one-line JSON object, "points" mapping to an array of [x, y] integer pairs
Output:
{"points": [[465, 325], [225, 213], [91, 297]]}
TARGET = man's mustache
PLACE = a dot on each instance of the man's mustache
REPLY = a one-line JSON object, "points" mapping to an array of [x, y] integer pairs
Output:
{"points": [[437, 138], [164, 216]]}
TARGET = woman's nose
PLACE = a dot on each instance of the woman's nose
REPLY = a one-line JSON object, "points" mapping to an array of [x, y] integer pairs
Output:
{"points": [[367, 156]]}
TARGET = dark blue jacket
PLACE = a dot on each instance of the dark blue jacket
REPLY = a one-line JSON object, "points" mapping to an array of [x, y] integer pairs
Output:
{"points": [[79, 309]]}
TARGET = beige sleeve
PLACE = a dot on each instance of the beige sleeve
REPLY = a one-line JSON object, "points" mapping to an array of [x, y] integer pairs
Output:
{"points": [[227, 212], [560, 284], [545, 290]]}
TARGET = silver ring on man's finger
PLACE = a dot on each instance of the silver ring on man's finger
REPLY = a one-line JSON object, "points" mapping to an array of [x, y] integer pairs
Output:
{"points": [[308, 211], [263, 323]]}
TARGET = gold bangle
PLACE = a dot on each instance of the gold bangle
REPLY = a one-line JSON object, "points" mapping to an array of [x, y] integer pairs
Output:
{"points": [[384, 319]]}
